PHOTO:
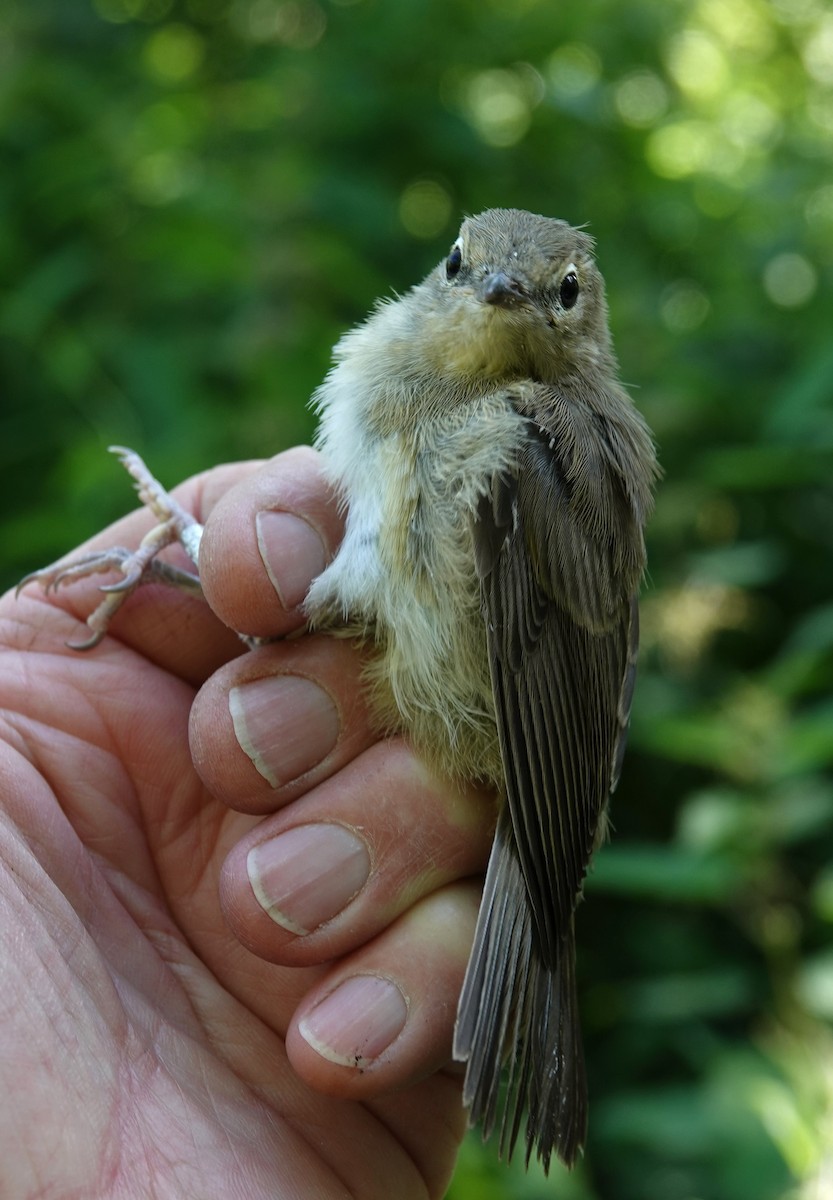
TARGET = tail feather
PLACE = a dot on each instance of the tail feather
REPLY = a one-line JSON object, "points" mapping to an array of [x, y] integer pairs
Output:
{"points": [[520, 1013]]}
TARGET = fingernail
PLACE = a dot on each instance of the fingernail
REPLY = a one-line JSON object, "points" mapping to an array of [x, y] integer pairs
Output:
{"points": [[356, 1022], [292, 552], [306, 876], [285, 723]]}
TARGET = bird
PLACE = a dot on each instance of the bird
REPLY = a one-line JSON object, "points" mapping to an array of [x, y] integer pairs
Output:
{"points": [[496, 480]]}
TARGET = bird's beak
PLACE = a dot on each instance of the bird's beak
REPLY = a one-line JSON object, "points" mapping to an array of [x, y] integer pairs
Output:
{"points": [[499, 289]]}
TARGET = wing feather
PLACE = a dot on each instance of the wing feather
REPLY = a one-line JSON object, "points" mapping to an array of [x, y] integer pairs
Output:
{"points": [[559, 553], [558, 596]]}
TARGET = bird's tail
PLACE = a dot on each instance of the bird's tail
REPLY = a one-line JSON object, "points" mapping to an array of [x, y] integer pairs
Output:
{"points": [[520, 1013]]}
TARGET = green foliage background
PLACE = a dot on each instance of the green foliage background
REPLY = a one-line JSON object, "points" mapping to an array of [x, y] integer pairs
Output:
{"points": [[198, 196]]}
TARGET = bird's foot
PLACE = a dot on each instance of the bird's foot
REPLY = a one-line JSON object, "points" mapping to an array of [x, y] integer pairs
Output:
{"points": [[137, 567]]}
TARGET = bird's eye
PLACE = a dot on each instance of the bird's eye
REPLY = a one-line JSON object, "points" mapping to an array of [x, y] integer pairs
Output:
{"points": [[568, 292], [454, 261]]}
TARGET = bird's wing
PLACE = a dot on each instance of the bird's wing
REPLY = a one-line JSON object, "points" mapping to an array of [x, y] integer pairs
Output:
{"points": [[559, 551]]}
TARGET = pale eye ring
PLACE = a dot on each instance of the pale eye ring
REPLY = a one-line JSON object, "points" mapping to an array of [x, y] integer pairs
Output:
{"points": [[454, 261]]}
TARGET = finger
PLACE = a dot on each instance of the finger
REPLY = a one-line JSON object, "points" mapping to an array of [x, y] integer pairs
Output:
{"points": [[274, 723], [264, 543], [330, 872], [384, 1017]]}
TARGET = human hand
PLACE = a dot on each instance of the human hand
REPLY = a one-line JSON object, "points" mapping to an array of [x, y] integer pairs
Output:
{"points": [[164, 1034]]}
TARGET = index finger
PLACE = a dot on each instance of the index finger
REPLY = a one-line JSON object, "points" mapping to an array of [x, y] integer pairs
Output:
{"points": [[264, 542]]}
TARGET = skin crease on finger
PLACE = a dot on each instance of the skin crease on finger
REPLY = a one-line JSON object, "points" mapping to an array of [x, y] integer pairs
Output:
{"points": [[331, 665], [422, 837], [437, 929]]}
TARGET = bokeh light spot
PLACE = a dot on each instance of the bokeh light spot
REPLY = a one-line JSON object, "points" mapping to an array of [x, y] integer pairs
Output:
{"points": [[697, 64], [683, 306], [790, 280], [739, 24], [641, 99], [819, 207], [425, 208], [818, 52], [297, 23], [574, 69], [162, 176], [679, 149], [174, 53], [499, 106], [749, 121]]}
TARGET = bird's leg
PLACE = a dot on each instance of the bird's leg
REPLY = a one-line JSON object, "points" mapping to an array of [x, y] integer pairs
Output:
{"points": [[138, 566]]}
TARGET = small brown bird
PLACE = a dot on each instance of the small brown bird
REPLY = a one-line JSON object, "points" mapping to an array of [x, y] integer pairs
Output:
{"points": [[497, 479]]}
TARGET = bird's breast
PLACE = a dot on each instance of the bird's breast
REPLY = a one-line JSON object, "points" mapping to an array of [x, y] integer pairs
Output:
{"points": [[405, 572]]}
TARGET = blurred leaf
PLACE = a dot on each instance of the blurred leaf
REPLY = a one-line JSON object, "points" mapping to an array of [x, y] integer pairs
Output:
{"points": [[681, 997], [746, 566], [808, 744], [662, 873], [802, 410], [52, 284], [763, 467], [815, 985]]}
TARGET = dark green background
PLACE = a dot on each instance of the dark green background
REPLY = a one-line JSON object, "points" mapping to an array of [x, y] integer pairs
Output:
{"points": [[198, 196]]}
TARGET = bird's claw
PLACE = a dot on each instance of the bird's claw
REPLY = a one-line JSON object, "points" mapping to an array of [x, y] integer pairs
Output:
{"points": [[137, 567], [52, 577]]}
